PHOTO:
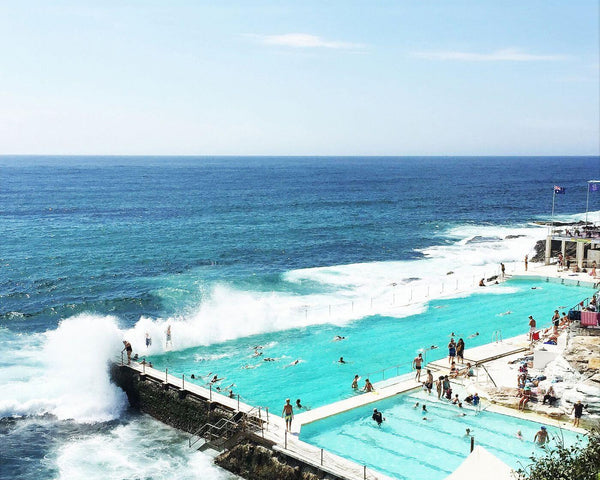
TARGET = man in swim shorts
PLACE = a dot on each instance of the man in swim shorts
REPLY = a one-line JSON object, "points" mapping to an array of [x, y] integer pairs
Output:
{"points": [[451, 350], [288, 414], [531, 327], [417, 366]]}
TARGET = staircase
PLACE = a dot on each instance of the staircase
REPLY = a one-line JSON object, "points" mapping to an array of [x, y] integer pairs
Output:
{"points": [[226, 431]]}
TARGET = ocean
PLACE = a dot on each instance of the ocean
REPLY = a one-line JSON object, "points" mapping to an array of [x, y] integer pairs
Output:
{"points": [[97, 249]]}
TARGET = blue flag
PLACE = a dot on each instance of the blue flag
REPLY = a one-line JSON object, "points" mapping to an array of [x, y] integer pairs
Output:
{"points": [[594, 187], [559, 190]]}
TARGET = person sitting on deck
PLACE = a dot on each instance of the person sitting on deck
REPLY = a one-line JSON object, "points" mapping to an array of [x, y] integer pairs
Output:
{"points": [[468, 372], [525, 398], [482, 282], [550, 396], [453, 370], [368, 386]]}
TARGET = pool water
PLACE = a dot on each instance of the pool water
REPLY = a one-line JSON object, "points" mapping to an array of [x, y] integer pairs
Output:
{"points": [[370, 345], [408, 447]]}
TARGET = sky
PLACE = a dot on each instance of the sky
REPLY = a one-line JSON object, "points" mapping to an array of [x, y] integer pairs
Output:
{"points": [[193, 77]]}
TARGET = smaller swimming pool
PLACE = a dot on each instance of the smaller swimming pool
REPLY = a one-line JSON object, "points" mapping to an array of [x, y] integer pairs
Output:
{"points": [[412, 444]]}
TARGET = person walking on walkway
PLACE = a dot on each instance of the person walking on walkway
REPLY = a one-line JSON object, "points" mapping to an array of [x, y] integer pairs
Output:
{"points": [[288, 414], [578, 409], [127, 348], [532, 327], [418, 360]]}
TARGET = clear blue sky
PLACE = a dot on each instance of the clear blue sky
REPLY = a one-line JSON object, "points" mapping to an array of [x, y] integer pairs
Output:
{"points": [[300, 78]]}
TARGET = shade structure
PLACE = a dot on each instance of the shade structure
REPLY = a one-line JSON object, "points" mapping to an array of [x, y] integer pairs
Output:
{"points": [[482, 464]]}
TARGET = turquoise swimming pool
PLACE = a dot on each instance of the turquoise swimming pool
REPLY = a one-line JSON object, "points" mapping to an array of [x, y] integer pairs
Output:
{"points": [[408, 447], [370, 345]]}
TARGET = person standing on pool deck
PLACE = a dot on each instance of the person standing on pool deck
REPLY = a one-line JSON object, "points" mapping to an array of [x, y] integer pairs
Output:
{"points": [[460, 350], [148, 340], [541, 437], [128, 349], [417, 366], [288, 414], [503, 269], [429, 382], [578, 409], [526, 261], [451, 350], [531, 328]]}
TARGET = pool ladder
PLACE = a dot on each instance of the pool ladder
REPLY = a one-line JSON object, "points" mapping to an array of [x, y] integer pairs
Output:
{"points": [[497, 336]]}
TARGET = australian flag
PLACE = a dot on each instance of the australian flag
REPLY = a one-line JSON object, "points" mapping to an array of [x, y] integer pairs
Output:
{"points": [[559, 190]]}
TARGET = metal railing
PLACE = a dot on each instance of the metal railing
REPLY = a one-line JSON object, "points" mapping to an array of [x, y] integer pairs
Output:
{"points": [[497, 336]]}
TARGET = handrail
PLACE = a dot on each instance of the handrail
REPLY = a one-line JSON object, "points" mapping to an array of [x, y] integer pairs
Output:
{"points": [[488, 373]]}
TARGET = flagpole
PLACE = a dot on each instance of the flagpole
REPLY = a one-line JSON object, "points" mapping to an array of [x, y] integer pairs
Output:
{"points": [[587, 201], [552, 218]]}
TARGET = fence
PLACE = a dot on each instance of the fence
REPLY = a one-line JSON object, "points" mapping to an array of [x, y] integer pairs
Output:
{"points": [[403, 295]]}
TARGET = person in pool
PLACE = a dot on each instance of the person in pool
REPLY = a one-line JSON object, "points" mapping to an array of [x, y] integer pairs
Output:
{"points": [[288, 414], [378, 417], [355, 382], [368, 386], [341, 360], [541, 437]]}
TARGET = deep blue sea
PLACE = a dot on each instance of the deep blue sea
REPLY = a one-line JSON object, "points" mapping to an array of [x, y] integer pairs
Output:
{"points": [[93, 249]]}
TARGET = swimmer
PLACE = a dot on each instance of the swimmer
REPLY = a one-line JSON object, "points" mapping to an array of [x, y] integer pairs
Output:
{"points": [[193, 376], [519, 435], [341, 360], [473, 335], [433, 347], [508, 312], [257, 353], [337, 338], [468, 432], [216, 379], [416, 405], [268, 359], [295, 362], [424, 409], [355, 382], [368, 386]]}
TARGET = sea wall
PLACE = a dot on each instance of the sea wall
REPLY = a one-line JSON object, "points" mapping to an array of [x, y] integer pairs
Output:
{"points": [[249, 459], [250, 456]]}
